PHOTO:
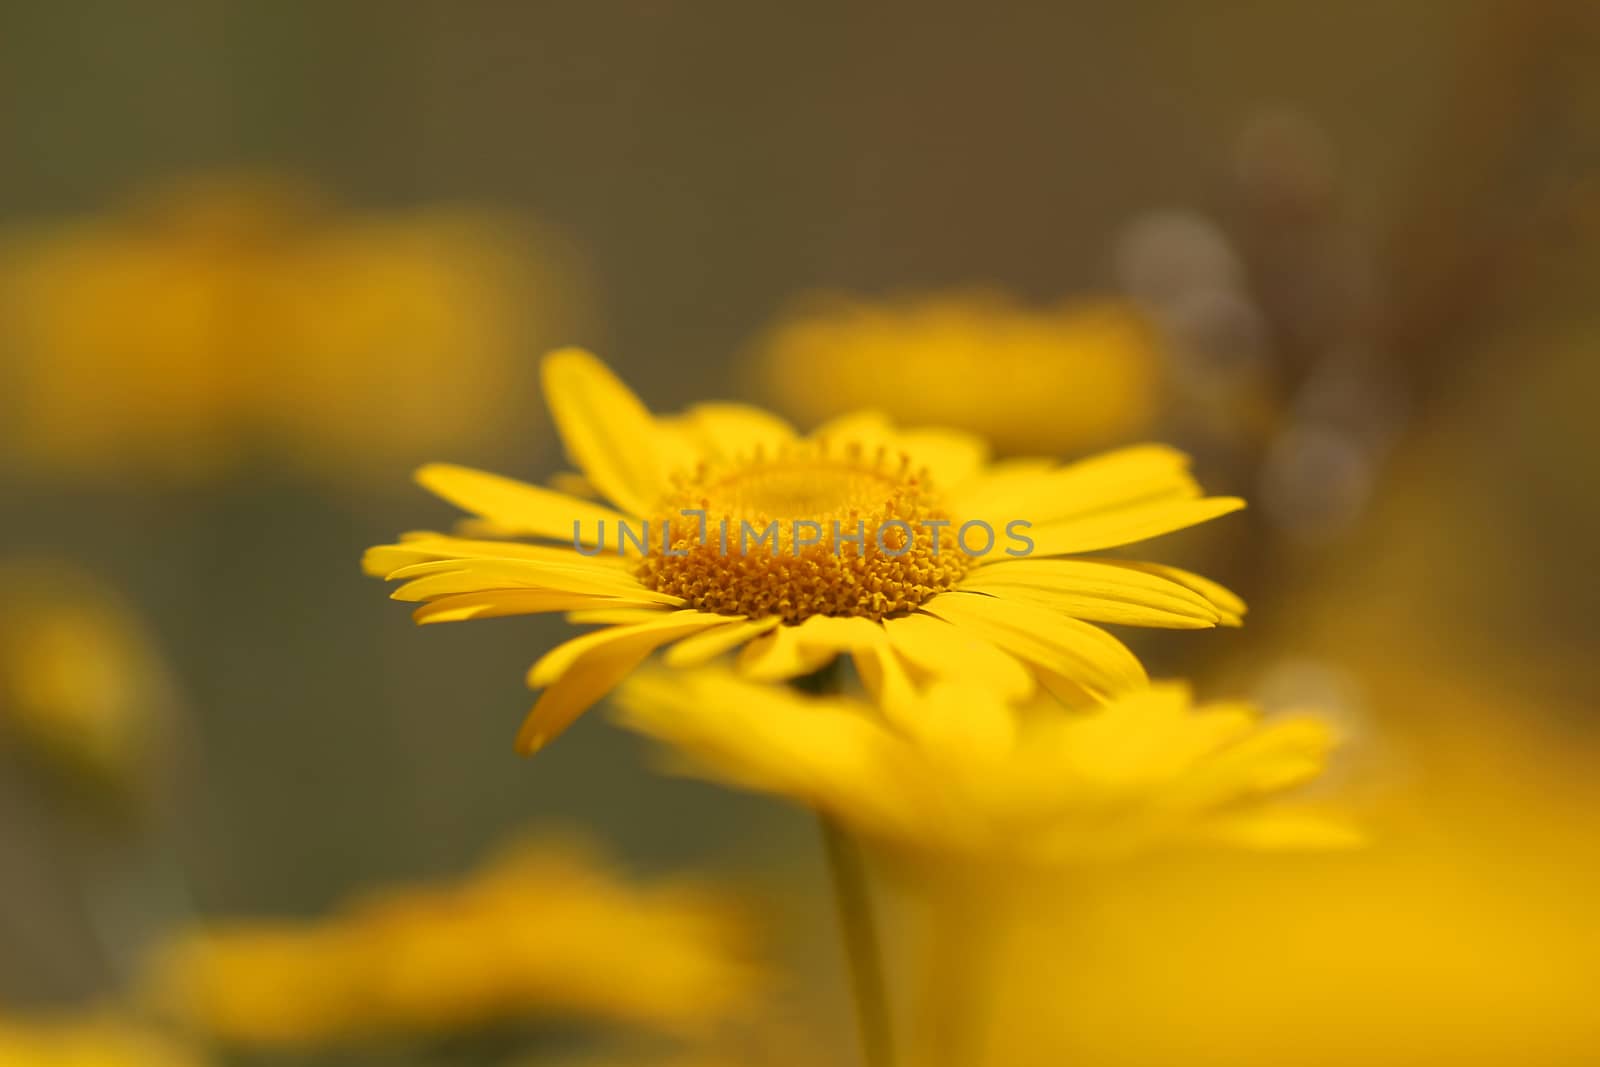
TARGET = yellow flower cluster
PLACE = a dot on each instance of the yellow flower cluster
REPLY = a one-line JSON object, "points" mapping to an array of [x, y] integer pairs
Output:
{"points": [[216, 316], [543, 931], [1048, 380]]}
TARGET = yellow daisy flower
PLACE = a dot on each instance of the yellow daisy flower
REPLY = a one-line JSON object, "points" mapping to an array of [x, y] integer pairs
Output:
{"points": [[960, 772], [212, 315], [81, 681], [1051, 379], [1469, 938], [542, 931], [904, 549]]}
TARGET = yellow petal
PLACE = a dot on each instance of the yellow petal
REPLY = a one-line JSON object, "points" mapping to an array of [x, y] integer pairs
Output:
{"points": [[1097, 592], [869, 429], [1092, 608], [779, 656], [435, 578], [839, 634], [561, 659], [1047, 638], [883, 673], [705, 647], [1281, 754], [1128, 476], [952, 457], [608, 433], [963, 726], [731, 431], [420, 547], [1003, 486], [516, 508], [614, 616], [572, 484], [1283, 829], [1141, 742], [1124, 526], [587, 668], [503, 602], [1069, 692], [1230, 607], [829, 754], [938, 648]]}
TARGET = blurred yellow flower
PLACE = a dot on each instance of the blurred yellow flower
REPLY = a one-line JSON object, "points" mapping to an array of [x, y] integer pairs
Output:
{"points": [[95, 1041], [543, 931], [81, 682], [958, 772], [904, 604], [1054, 380], [214, 316], [1466, 938]]}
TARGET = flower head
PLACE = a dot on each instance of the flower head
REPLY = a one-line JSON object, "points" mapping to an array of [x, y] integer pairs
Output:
{"points": [[904, 549], [1080, 375], [81, 682], [961, 772], [169, 338], [542, 931]]}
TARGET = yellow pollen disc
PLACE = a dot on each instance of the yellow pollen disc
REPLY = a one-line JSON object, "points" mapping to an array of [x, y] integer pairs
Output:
{"points": [[781, 536]]}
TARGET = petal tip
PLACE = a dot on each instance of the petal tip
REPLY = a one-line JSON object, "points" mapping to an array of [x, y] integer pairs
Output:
{"points": [[429, 473], [569, 359], [372, 562]]}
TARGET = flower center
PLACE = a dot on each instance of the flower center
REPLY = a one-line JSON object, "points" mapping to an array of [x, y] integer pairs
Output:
{"points": [[814, 530]]}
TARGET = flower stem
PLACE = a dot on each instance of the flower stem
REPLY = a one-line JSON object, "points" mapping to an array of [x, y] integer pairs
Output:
{"points": [[860, 934], [966, 936]]}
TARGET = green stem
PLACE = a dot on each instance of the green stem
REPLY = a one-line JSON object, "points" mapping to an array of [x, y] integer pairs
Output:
{"points": [[860, 934]]}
